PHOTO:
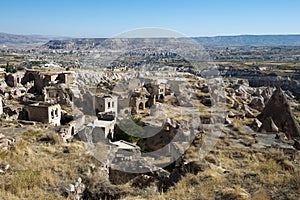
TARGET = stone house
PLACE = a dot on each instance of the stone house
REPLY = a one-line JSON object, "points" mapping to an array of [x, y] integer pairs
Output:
{"points": [[102, 128], [107, 128], [106, 104], [39, 78], [43, 112], [124, 108]]}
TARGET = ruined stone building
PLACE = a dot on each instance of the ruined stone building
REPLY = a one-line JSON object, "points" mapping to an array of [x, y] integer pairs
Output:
{"points": [[103, 127], [106, 104], [14, 79], [157, 91], [69, 130], [42, 78], [58, 94], [103, 130], [124, 108], [146, 96], [43, 112], [66, 77], [97, 131], [139, 100], [125, 151]]}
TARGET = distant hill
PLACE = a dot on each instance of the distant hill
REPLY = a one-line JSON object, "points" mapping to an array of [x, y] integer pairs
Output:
{"points": [[80, 43], [250, 40], [227, 41], [6, 38], [57, 42]]}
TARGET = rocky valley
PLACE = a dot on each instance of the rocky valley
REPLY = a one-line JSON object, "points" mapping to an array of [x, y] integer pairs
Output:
{"points": [[157, 118]]}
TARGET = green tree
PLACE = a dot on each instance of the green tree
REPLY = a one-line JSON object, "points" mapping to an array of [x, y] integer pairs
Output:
{"points": [[10, 68]]}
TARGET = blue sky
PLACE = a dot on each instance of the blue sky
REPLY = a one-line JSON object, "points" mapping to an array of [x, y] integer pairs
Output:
{"points": [[92, 18]]}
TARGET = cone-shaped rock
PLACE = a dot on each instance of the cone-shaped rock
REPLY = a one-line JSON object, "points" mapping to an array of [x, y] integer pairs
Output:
{"points": [[278, 110]]}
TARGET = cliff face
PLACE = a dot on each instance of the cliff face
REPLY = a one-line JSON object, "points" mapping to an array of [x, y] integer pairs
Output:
{"points": [[259, 79], [278, 109]]}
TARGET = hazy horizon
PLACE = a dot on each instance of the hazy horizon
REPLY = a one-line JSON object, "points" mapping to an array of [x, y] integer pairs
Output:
{"points": [[204, 36]]}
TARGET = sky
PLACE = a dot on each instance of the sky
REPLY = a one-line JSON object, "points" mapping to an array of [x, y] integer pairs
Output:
{"points": [[97, 18]]}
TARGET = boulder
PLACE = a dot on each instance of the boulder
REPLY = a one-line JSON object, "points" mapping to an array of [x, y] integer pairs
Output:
{"points": [[236, 105], [206, 100], [75, 191], [143, 181], [229, 101], [241, 91], [257, 92]]}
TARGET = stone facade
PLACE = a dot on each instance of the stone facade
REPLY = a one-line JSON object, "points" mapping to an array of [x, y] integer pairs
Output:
{"points": [[106, 104], [43, 112]]}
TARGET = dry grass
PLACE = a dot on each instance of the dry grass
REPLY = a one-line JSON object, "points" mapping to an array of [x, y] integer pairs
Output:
{"points": [[39, 169], [261, 195]]}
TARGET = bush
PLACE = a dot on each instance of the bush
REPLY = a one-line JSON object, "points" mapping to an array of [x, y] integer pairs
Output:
{"points": [[129, 130]]}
